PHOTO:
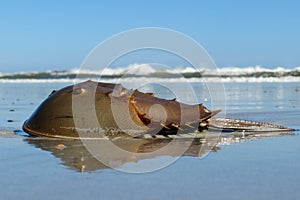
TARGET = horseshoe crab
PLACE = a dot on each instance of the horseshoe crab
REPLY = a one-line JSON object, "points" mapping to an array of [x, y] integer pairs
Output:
{"points": [[96, 109]]}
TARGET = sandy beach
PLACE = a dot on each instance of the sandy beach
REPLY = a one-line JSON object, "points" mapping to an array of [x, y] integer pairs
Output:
{"points": [[265, 168]]}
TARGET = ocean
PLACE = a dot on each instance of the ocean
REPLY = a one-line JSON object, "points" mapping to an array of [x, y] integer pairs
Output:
{"points": [[237, 167]]}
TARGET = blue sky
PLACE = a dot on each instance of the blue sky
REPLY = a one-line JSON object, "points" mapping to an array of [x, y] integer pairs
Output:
{"points": [[56, 35]]}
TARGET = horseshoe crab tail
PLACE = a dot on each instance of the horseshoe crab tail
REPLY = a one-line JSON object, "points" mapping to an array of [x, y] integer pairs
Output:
{"points": [[246, 126]]}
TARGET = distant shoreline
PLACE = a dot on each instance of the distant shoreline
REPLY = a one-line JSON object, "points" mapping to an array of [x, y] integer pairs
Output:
{"points": [[137, 71]]}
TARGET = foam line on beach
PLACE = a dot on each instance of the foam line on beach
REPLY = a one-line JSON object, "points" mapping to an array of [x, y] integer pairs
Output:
{"points": [[138, 72]]}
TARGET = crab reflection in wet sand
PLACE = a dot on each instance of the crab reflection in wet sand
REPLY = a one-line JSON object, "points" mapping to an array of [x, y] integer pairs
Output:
{"points": [[75, 155]]}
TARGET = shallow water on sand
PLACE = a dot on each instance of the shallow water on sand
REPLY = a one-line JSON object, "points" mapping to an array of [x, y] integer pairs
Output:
{"points": [[255, 169]]}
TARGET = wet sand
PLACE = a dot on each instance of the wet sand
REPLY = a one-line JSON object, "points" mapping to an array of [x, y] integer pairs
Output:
{"points": [[255, 169]]}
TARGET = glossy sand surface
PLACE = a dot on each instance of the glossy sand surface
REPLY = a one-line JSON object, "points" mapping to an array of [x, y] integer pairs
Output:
{"points": [[267, 168]]}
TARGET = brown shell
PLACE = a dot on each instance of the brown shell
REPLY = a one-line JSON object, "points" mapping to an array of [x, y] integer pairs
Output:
{"points": [[92, 109]]}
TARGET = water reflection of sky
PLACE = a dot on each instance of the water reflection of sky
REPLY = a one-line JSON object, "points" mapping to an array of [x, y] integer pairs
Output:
{"points": [[264, 169], [262, 96]]}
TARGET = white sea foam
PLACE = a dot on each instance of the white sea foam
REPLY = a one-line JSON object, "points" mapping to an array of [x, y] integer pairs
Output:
{"points": [[148, 69], [138, 72], [162, 80]]}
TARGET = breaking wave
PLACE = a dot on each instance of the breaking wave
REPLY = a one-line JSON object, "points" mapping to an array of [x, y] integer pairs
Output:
{"points": [[140, 71]]}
